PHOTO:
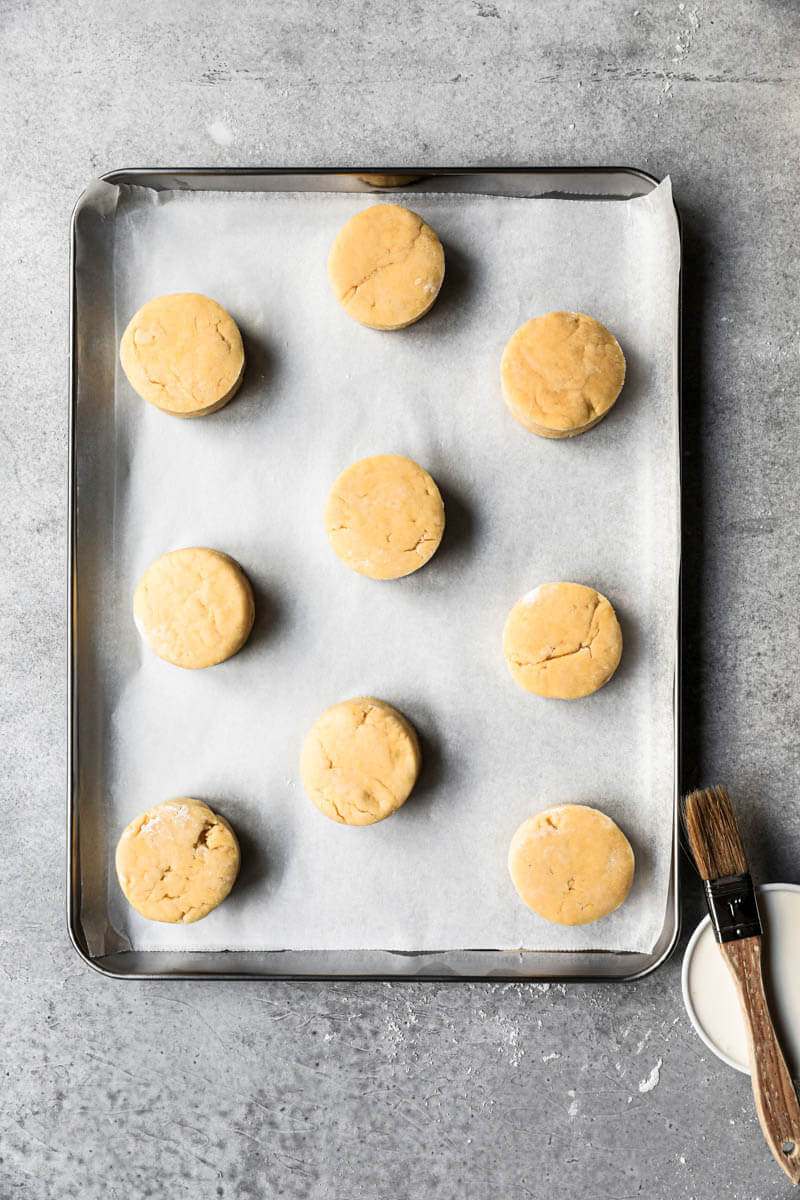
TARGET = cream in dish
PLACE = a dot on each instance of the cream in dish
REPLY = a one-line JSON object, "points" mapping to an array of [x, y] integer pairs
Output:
{"points": [[710, 994]]}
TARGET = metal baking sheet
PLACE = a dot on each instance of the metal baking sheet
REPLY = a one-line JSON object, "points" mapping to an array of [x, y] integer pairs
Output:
{"points": [[93, 346]]}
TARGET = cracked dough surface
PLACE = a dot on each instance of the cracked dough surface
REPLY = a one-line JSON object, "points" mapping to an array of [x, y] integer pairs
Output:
{"points": [[184, 354], [177, 861], [359, 761], [571, 864], [194, 607], [561, 373], [562, 640], [386, 267], [384, 516]]}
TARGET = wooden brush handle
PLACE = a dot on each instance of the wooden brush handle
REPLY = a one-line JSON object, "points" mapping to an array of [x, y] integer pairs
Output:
{"points": [[773, 1090]]}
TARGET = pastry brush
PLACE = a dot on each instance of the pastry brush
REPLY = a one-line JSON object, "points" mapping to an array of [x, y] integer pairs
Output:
{"points": [[717, 848]]}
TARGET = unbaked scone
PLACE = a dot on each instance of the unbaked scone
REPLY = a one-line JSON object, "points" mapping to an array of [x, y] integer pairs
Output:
{"points": [[571, 864], [389, 181], [359, 761], [384, 516], [561, 373], [386, 267], [184, 354], [562, 640], [177, 861], [194, 607]]}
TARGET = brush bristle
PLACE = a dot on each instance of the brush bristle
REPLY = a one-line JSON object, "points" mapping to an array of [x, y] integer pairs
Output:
{"points": [[713, 834]]}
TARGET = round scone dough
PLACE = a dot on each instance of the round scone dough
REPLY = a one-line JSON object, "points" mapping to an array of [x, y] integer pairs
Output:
{"points": [[386, 267], [571, 864], [184, 354], [359, 761], [384, 516], [389, 181], [561, 373], [177, 861], [194, 607], [562, 640]]}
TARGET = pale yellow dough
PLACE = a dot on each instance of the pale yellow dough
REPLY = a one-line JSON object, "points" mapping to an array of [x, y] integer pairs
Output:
{"points": [[177, 861], [562, 640], [561, 373], [194, 607], [184, 354], [389, 181], [571, 864], [384, 516], [359, 761], [386, 267]]}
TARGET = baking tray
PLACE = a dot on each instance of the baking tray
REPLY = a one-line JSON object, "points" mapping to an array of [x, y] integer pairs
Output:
{"points": [[92, 357]]}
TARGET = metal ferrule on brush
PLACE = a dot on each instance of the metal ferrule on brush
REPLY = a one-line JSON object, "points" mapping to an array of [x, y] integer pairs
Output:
{"points": [[733, 907]]}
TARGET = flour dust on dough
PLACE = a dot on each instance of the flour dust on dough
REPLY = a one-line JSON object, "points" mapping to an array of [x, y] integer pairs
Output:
{"points": [[384, 516], [562, 640], [386, 267], [177, 861], [561, 373], [184, 354], [360, 761], [194, 607]]}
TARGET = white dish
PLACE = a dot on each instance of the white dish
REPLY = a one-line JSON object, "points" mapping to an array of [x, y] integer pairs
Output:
{"points": [[710, 994]]}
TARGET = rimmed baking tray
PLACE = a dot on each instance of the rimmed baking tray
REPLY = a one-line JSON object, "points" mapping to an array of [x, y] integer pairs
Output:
{"points": [[91, 354]]}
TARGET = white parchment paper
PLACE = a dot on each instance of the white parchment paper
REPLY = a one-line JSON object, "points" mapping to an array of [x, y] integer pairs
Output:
{"points": [[321, 391]]}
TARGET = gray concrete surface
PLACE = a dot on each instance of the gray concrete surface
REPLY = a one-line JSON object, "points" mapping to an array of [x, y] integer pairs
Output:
{"points": [[380, 1091]]}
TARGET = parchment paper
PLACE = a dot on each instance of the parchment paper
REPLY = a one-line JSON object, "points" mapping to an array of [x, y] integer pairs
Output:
{"points": [[320, 392]]}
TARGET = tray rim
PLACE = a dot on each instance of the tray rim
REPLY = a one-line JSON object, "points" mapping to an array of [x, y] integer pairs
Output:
{"points": [[73, 889]]}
